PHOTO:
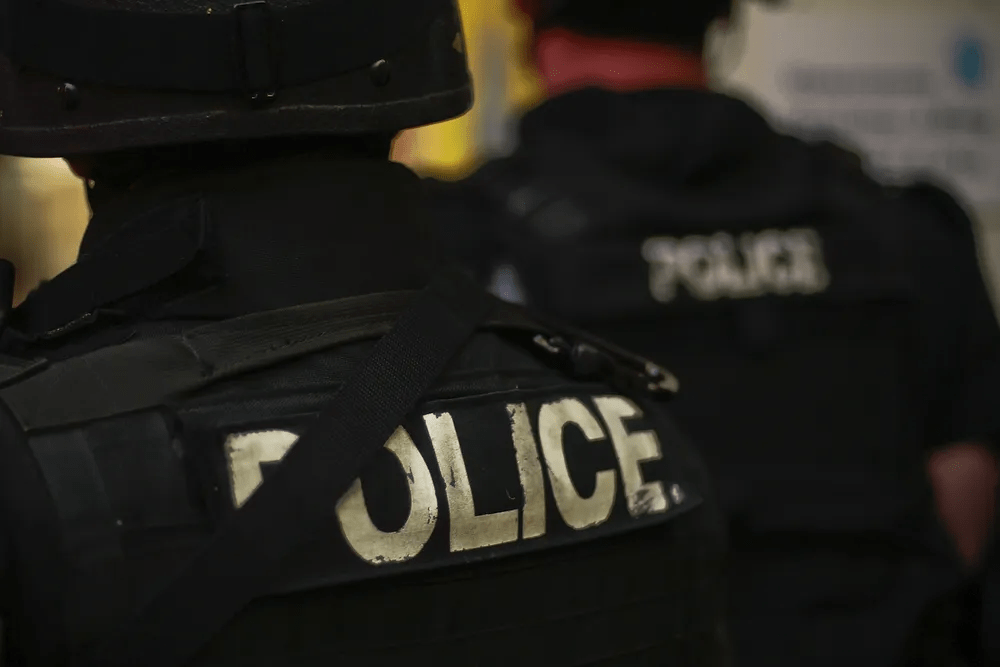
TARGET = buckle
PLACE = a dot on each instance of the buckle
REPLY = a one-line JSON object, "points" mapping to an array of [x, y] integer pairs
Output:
{"points": [[255, 37], [587, 361]]}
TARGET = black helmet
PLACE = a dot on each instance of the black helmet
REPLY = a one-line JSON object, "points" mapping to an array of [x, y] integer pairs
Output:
{"points": [[92, 76]]}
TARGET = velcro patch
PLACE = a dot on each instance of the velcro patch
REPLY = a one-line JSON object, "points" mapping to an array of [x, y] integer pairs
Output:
{"points": [[475, 480]]}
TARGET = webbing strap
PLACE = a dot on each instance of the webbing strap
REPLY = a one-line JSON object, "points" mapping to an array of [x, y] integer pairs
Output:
{"points": [[295, 503], [51, 397], [13, 369], [71, 298]]}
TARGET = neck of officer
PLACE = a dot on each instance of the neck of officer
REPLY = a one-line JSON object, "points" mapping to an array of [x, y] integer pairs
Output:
{"points": [[570, 61], [278, 231]]}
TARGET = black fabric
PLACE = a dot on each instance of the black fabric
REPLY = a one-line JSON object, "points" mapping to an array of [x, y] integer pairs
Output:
{"points": [[192, 360], [31, 535], [212, 353], [246, 262], [817, 403], [140, 49], [644, 584], [235, 567], [85, 286], [990, 604], [12, 368]]}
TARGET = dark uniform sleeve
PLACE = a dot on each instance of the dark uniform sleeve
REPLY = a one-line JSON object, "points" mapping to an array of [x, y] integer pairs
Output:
{"points": [[976, 408], [961, 324], [466, 226]]}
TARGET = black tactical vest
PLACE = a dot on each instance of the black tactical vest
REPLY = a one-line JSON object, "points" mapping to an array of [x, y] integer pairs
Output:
{"points": [[768, 322], [538, 507]]}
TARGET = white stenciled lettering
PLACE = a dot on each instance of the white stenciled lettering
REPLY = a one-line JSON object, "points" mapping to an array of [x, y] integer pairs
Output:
{"points": [[710, 268], [380, 547], [468, 530], [695, 267], [768, 257], [530, 468], [661, 253], [245, 452], [755, 279], [578, 512], [633, 449], [730, 279], [808, 269], [563, 435]]}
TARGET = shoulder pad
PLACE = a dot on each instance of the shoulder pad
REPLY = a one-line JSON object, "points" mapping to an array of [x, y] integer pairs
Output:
{"points": [[14, 369], [941, 203], [842, 155]]}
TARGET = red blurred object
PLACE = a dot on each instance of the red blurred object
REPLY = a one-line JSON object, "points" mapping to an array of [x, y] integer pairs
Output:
{"points": [[964, 478], [570, 61]]}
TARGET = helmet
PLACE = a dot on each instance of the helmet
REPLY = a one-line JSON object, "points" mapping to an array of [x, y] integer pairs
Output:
{"points": [[93, 76]]}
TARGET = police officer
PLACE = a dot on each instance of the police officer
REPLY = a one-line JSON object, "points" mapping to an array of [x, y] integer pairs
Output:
{"points": [[256, 328], [829, 332]]}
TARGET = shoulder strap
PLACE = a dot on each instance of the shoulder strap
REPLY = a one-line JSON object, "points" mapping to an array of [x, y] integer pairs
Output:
{"points": [[51, 397], [13, 369], [294, 504], [192, 360], [74, 298]]}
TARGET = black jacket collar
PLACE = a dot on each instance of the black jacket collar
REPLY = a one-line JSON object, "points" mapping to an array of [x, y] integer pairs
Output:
{"points": [[265, 236]]}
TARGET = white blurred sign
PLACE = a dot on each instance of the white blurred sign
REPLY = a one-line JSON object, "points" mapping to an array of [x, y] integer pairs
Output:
{"points": [[914, 90]]}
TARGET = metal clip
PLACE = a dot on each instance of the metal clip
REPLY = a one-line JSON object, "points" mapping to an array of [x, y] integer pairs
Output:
{"points": [[661, 380]]}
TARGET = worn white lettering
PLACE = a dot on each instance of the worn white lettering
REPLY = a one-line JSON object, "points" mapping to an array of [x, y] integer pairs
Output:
{"points": [[578, 512], [809, 272], [245, 452], [633, 449], [468, 530], [547, 447], [530, 469], [380, 547], [729, 278], [710, 268], [695, 267], [661, 253]]}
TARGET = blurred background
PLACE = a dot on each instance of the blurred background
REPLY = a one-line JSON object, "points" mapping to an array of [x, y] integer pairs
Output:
{"points": [[912, 84]]}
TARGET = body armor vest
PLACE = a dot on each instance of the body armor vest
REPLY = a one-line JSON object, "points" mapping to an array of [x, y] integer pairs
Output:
{"points": [[538, 462]]}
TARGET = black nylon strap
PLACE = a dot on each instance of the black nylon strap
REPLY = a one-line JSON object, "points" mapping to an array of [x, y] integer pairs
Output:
{"points": [[296, 502], [52, 397], [201, 356], [208, 52], [71, 298], [13, 369]]}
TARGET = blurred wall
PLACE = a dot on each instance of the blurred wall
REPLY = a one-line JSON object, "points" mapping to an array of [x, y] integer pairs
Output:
{"points": [[43, 212], [914, 84]]}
